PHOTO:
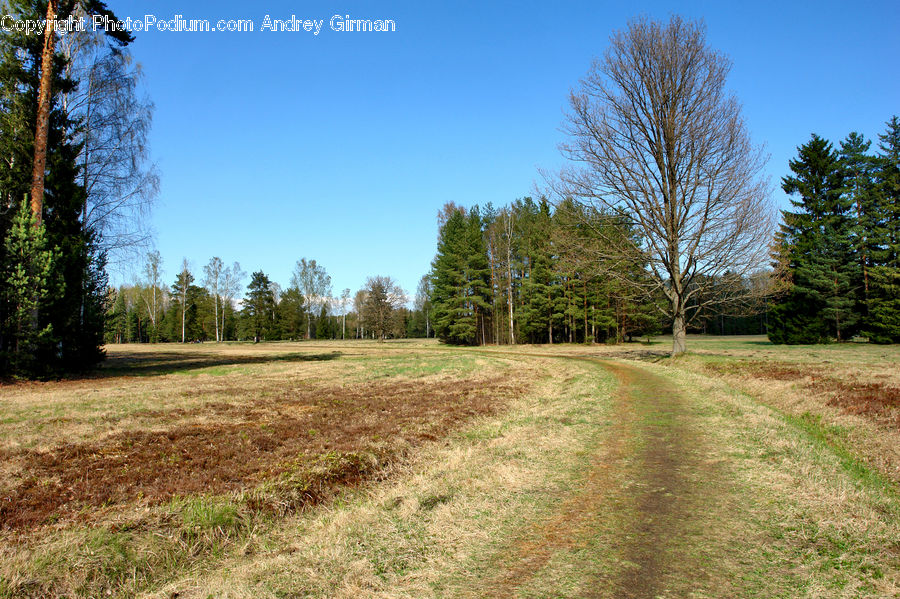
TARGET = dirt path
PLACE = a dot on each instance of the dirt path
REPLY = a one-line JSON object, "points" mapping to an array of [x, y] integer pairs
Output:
{"points": [[637, 490]]}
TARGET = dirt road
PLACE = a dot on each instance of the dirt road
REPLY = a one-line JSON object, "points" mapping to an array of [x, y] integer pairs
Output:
{"points": [[638, 483]]}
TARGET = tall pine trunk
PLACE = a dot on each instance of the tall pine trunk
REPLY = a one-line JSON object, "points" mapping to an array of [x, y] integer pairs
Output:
{"points": [[43, 116]]}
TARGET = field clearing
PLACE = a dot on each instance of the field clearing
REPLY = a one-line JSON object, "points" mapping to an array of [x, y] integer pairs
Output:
{"points": [[410, 469]]}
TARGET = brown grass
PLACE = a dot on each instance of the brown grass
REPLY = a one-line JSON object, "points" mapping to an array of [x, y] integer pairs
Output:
{"points": [[878, 401], [237, 446]]}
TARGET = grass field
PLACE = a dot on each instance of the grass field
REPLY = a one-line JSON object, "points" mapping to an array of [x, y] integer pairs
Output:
{"points": [[411, 469]]}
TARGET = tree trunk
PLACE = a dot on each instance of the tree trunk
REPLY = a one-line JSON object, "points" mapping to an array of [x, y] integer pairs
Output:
{"points": [[216, 300], [43, 116], [585, 314], [679, 343], [550, 333]]}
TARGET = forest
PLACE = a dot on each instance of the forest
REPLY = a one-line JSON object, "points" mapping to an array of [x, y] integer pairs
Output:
{"points": [[597, 258]]}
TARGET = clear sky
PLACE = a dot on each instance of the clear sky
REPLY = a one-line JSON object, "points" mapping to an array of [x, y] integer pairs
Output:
{"points": [[341, 147]]}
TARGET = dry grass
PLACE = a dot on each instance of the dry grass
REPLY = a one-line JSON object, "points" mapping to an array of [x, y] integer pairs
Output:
{"points": [[427, 529], [734, 467], [190, 458]]}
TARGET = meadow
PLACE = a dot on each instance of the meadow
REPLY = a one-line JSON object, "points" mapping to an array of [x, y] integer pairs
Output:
{"points": [[414, 469]]}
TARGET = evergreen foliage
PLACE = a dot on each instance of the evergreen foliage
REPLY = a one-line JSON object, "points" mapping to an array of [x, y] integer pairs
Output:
{"points": [[837, 247], [259, 308], [526, 273], [61, 264]]}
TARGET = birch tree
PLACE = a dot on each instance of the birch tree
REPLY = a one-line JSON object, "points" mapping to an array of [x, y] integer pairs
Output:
{"points": [[345, 299], [315, 285], [153, 279], [119, 180], [213, 281], [359, 302], [182, 288], [232, 282], [655, 137], [45, 95], [423, 302]]}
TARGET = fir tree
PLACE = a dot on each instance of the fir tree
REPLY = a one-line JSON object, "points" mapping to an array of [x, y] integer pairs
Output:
{"points": [[117, 319], [815, 242], [454, 316], [27, 284], [884, 294], [259, 307]]}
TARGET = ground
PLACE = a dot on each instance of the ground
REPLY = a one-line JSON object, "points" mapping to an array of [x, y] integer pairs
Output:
{"points": [[412, 469]]}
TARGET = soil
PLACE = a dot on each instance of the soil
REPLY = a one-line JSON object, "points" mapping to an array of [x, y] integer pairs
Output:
{"points": [[244, 444], [648, 446]]}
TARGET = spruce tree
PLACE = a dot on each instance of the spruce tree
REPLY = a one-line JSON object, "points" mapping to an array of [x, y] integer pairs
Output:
{"points": [[259, 307], [27, 284], [859, 168], [815, 242], [884, 295]]}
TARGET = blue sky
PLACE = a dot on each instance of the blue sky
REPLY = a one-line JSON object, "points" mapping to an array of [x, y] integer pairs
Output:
{"points": [[342, 147]]}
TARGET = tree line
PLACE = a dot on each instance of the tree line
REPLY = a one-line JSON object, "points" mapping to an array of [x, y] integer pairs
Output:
{"points": [[838, 249], [531, 272], [215, 305]]}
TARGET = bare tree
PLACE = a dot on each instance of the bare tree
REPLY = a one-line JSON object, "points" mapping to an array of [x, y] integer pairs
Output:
{"points": [[45, 96], [213, 281], [359, 303], [383, 297], [183, 282], [232, 282], [315, 285], [345, 299], [114, 126], [153, 279], [423, 301], [658, 141]]}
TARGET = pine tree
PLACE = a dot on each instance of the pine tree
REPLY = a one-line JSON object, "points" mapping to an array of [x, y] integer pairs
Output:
{"points": [[117, 319], [816, 243], [259, 307], [859, 169], [541, 309], [884, 322], [454, 320], [27, 284]]}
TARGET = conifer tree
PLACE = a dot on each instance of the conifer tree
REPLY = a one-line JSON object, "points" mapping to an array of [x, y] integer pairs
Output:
{"points": [[815, 242], [259, 306], [27, 284], [859, 168], [117, 320], [884, 312], [540, 307]]}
